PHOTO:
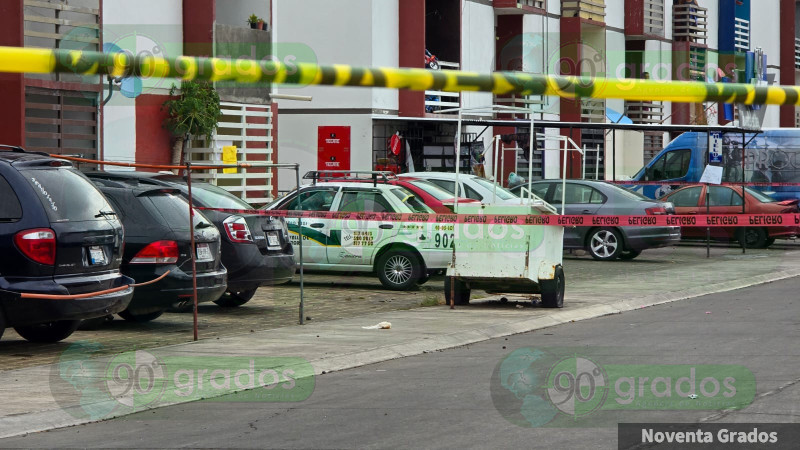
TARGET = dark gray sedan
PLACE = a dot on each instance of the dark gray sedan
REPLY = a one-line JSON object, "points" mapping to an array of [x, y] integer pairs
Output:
{"points": [[601, 198]]}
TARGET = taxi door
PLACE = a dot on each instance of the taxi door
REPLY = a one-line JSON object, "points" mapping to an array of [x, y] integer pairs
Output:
{"points": [[361, 234], [316, 231]]}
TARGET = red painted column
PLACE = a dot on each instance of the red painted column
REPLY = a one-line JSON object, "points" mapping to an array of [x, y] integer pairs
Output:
{"points": [[787, 59], [12, 85], [198, 27], [570, 109], [412, 53]]}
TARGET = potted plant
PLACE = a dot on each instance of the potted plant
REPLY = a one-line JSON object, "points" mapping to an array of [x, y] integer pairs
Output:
{"points": [[253, 21], [260, 24], [264, 25], [193, 113]]}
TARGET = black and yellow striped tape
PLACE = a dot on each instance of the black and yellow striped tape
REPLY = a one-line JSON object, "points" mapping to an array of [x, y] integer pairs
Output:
{"points": [[34, 60]]}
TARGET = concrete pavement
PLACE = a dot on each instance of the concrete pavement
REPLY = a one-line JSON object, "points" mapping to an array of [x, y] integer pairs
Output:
{"points": [[36, 398]]}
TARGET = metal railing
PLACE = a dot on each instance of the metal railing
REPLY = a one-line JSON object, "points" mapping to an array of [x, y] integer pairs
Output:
{"points": [[436, 101], [585, 9]]}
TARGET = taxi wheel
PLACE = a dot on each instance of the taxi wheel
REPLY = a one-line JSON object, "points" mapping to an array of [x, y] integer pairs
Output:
{"points": [[48, 332], [604, 244], [140, 318], [235, 299], [553, 290], [399, 270], [461, 291]]}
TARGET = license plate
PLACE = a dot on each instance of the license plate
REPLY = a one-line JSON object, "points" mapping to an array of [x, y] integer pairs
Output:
{"points": [[204, 253], [97, 256], [272, 238]]}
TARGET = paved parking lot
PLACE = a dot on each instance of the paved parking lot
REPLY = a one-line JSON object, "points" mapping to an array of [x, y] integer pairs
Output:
{"points": [[329, 297]]}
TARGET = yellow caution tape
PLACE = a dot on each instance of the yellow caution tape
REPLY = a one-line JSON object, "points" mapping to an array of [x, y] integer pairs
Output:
{"points": [[34, 60]]}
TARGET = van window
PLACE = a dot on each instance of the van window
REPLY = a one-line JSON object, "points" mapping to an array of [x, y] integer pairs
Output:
{"points": [[57, 189], [670, 165], [10, 209]]}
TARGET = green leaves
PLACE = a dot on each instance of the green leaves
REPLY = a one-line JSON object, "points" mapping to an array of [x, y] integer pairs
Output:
{"points": [[195, 111]]}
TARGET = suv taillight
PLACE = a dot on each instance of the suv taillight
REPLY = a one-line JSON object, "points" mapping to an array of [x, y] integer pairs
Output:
{"points": [[159, 252], [656, 211], [237, 230], [38, 245]]}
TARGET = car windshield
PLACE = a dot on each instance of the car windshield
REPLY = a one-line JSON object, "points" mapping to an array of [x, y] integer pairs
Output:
{"points": [[435, 191], [502, 193], [760, 196], [56, 189], [217, 197], [410, 200]]}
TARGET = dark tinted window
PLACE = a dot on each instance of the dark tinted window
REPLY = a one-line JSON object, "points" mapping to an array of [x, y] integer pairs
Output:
{"points": [[312, 200], [10, 209], [472, 193], [578, 194], [687, 197], [674, 164], [723, 196], [174, 211], [66, 195], [217, 197]]}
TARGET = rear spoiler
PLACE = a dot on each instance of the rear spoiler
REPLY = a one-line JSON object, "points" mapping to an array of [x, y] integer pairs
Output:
{"points": [[159, 191]]}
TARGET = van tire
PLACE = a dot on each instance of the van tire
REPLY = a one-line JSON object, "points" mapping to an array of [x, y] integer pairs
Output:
{"points": [[399, 270], [235, 299], [552, 291], [461, 291], [48, 332], [140, 318]]}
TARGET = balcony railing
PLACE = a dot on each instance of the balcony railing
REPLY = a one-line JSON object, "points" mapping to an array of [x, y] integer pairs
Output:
{"points": [[521, 5], [593, 110], [533, 103], [585, 9], [645, 112], [742, 35], [436, 101], [690, 23], [654, 17], [797, 53]]}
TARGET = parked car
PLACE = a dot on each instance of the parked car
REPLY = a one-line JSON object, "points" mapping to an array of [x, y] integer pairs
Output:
{"points": [[470, 186], [256, 249], [601, 198], [432, 195], [58, 236], [727, 200], [403, 254], [156, 220]]}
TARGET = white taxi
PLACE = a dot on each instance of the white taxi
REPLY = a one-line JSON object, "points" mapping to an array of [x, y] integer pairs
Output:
{"points": [[402, 253]]}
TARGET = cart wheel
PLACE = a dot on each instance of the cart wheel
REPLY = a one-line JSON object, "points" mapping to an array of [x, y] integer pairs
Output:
{"points": [[399, 270], [604, 244], [462, 292], [553, 290]]}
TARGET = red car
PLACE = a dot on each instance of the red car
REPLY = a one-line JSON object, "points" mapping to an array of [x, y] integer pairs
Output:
{"points": [[728, 200], [434, 196]]}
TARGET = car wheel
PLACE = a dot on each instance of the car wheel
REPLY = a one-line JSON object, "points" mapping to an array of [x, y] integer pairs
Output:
{"points": [[461, 292], [399, 270], [140, 318], [753, 238], [48, 332], [235, 299], [628, 255], [553, 290], [604, 244], [424, 278]]}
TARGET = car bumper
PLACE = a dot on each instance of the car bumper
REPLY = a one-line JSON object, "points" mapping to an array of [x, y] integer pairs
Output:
{"points": [[642, 238], [248, 268], [27, 311], [174, 288]]}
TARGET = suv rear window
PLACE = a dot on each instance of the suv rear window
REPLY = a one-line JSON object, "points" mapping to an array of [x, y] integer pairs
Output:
{"points": [[174, 211], [66, 195], [10, 209], [217, 197]]}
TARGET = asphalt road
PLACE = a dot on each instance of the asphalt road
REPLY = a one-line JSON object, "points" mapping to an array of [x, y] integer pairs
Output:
{"points": [[457, 399]]}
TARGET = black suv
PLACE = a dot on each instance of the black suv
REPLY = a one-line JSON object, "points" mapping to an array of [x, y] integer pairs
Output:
{"points": [[255, 249], [157, 239], [58, 236]]}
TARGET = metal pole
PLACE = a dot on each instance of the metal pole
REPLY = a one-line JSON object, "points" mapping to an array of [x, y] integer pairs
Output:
{"points": [[458, 160], [708, 229], [193, 250], [564, 178], [496, 140], [614, 154], [531, 144], [744, 210], [300, 246]]}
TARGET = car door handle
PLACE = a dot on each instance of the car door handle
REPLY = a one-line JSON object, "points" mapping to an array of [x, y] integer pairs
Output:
{"points": [[317, 225], [386, 226], [586, 211], [422, 237]]}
